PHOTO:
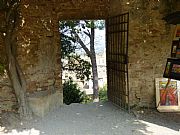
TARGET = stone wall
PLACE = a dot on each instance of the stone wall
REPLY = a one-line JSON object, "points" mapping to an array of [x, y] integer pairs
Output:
{"points": [[7, 98], [149, 46], [39, 47], [2, 48], [38, 50], [82, 9]]}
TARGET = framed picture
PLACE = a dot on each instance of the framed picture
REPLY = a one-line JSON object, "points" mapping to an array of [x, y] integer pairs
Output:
{"points": [[172, 69], [177, 32], [175, 50], [167, 96]]}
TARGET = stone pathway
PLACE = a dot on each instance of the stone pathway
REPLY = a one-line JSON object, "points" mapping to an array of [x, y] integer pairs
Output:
{"points": [[96, 119]]}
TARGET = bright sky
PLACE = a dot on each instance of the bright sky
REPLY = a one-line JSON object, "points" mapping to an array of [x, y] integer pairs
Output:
{"points": [[100, 41]]}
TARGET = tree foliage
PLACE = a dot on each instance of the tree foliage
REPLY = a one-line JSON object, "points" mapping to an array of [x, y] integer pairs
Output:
{"points": [[67, 46], [82, 32], [71, 60], [79, 66]]}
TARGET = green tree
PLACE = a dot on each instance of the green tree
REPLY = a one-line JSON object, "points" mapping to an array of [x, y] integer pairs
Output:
{"points": [[75, 31], [71, 61], [9, 24]]}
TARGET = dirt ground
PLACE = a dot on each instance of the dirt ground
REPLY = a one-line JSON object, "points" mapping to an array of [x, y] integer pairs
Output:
{"points": [[94, 119]]}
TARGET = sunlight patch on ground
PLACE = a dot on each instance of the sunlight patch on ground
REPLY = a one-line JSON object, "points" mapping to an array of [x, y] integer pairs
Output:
{"points": [[154, 129], [23, 132]]}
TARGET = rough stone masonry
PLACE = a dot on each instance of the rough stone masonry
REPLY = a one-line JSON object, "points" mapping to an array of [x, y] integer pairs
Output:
{"points": [[39, 46]]}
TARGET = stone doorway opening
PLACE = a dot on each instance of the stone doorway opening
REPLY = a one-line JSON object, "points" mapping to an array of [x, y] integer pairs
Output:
{"points": [[116, 55], [150, 40], [83, 60]]}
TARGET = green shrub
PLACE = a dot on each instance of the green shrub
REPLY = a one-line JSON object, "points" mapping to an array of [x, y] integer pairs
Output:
{"points": [[71, 93], [87, 99], [103, 93]]}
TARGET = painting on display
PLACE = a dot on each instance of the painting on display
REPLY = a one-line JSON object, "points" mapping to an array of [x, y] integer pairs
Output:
{"points": [[175, 50], [172, 69], [167, 96]]}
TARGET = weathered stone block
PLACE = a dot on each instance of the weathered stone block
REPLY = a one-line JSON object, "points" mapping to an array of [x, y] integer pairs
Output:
{"points": [[42, 103]]}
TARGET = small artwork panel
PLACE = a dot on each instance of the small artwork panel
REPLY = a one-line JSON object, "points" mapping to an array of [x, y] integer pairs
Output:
{"points": [[172, 69], [167, 96], [178, 53], [167, 69], [176, 69], [175, 50]]}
